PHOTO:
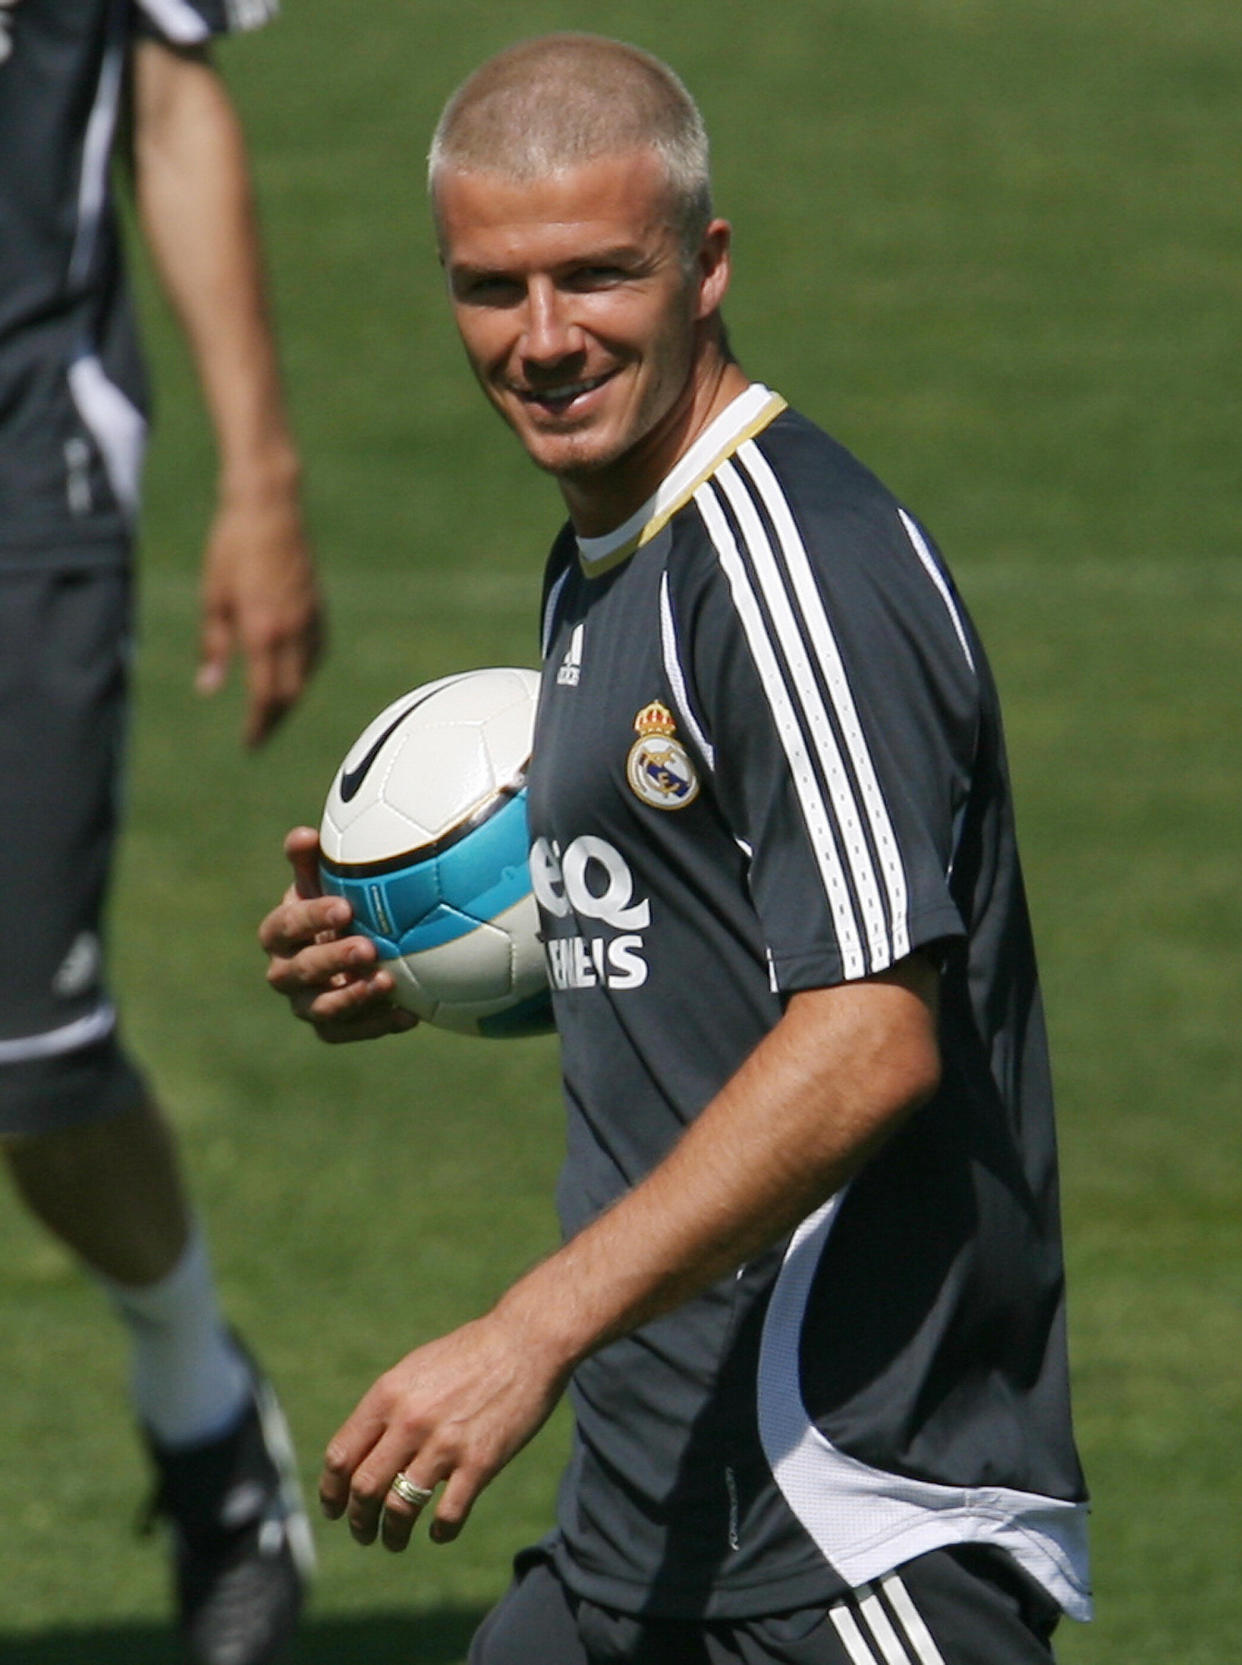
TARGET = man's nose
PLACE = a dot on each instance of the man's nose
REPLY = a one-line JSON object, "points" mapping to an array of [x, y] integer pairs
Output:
{"points": [[550, 334]]}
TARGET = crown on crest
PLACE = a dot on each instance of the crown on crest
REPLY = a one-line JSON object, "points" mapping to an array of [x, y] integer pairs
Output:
{"points": [[655, 719]]}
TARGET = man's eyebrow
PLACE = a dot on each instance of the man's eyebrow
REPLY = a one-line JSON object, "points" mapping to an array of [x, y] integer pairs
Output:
{"points": [[617, 254]]}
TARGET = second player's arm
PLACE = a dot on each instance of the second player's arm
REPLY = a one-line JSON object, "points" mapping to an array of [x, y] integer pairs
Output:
{"points": [[195, 202], [815, 1100]]}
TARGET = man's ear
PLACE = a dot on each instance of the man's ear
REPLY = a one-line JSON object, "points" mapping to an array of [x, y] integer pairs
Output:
{"points": [[715, 267]]}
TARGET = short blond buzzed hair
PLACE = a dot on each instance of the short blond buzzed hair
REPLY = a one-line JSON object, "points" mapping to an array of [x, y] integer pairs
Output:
{"points": [[560, 100]]}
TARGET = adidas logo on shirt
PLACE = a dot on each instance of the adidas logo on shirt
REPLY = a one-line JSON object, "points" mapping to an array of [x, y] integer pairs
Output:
{"points": [[571, 665]]}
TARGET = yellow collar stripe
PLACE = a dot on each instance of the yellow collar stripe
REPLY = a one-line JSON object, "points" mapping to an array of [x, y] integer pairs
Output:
{"points": [[598, 555]]}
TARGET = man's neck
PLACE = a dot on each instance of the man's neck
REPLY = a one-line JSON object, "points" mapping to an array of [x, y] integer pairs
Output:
{"points": [[598, 503]]}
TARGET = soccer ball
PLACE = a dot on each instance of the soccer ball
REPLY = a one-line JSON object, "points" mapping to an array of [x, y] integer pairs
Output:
{"points": [[424, 835]]}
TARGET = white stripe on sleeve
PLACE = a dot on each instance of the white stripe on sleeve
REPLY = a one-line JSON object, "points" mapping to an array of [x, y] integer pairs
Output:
{"points": [[177, 21], [805, 691], [251, 14], [789, 729], [828, 654]]}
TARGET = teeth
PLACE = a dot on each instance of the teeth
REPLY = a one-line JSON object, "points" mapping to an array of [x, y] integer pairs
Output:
{"points": [[561, 395]]}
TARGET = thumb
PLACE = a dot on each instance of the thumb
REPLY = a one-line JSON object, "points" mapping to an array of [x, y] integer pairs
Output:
{"points": [[302, 851]]}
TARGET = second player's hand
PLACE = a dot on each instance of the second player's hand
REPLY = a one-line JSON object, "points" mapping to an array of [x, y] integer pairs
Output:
{"points": [[454, 1411], [328, 974], [260, 599]]}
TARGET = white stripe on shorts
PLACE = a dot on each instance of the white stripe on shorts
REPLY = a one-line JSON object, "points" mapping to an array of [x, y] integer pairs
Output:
{"points": [[925, 1649], [54, 1043], [870, 1635], [847, 1629], [878, 1623]]}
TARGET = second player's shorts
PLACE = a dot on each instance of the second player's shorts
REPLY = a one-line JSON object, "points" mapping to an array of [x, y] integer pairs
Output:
{"points": [[65, 638], [967, 1606]]}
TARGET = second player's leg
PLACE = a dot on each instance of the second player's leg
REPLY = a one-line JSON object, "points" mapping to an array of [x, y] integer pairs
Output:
{"points": [[110, 1191]]}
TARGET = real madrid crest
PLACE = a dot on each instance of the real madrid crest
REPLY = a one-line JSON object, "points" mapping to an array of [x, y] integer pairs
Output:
{"points": [[659, 768]]}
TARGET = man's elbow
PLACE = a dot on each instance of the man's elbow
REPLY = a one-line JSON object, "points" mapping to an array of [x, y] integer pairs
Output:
{"points": [[913, 1041], [921, 1075], [904, 1079]]}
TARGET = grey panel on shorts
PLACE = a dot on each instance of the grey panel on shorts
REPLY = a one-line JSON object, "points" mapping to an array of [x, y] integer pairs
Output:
{"points": [[960, 1606], [64, 645]]}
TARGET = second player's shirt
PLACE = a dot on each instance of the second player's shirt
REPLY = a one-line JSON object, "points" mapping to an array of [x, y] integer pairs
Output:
{"points": [[72, 393], [768, 758]]}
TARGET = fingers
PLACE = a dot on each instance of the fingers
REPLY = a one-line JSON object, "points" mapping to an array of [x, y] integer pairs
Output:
{"points": [[355, 1463], [260, 601], [372, 1020], [401, 1512], [215, 650], [434, 1418], [455, 1505], [331, 979], [380, 1503], [367, 1467], [298, 923], [334, 984], [266, 708], [403, 1504], [276, 676]]}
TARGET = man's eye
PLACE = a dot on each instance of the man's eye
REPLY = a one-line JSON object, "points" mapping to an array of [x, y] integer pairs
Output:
{"points": [[597, 277], [489, 291]]}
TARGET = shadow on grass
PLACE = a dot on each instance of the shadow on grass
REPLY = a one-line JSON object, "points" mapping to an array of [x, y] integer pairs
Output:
{"points": [[438, 1636]]}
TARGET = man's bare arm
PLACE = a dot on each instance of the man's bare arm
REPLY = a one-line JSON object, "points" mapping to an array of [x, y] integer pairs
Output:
{"points": [[196, 207], [812, 1104]]}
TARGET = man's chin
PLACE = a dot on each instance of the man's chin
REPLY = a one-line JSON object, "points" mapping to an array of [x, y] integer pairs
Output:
{"points": [[565, 457]]}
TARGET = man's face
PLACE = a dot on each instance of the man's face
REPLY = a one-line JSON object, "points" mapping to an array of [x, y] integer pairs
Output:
{"points": [[581, 321]]}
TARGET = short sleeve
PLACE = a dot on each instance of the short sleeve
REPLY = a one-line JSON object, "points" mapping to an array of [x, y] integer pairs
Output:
{"points": [[187, 22], [832, 672]]}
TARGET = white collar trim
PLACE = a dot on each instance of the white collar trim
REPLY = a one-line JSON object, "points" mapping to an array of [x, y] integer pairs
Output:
{"points": [[751, 410]]}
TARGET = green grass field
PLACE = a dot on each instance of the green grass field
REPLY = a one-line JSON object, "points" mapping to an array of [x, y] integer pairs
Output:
{"points": [[996, 249]]}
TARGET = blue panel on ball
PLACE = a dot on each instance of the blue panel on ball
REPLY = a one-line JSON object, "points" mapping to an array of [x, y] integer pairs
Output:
{"points": [[410, 894], [366, 901], [438, 899], [487, 871]]}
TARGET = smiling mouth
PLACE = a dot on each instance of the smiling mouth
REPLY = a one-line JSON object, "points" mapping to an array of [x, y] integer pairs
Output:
{"points": [[559, 399]]}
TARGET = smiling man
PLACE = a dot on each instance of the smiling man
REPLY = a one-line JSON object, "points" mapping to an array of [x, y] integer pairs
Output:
{"points": [[809, 1306], [590, 326]]}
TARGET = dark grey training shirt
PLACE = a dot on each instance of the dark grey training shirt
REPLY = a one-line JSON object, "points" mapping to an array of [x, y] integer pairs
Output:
{"points": [[769, 758]]}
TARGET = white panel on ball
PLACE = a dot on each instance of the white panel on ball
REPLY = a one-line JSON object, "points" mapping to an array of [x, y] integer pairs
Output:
{"points": [[424, 833]]}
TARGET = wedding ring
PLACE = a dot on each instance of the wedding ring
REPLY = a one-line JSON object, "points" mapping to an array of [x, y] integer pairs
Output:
{"points": [[408, 1492]]}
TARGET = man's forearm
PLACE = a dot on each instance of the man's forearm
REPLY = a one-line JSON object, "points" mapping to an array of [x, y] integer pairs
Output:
{"points": [[197, 212], [814, 1101]]}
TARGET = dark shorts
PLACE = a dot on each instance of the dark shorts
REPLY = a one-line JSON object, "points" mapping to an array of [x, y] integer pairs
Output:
{"points": [[968, 1606], [65, 640]]}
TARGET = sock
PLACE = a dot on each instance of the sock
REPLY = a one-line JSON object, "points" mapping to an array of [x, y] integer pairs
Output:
{"points": [[189, 1382]]}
